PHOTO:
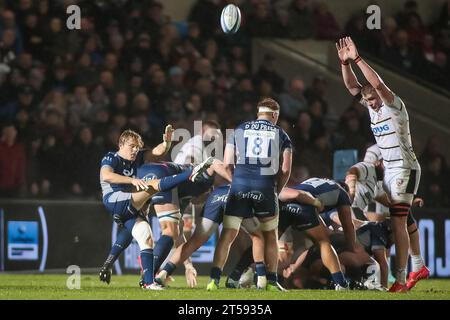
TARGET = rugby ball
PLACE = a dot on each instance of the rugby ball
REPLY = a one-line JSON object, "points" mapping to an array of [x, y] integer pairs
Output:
{"points": [[230, 19]]}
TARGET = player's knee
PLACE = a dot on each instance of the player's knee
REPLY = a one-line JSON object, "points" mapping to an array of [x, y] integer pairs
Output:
{"points": [[232, 222], [143, 235], [169, 219], [269, 225]]}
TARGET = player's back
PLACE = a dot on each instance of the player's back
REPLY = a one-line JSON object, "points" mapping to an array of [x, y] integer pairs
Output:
{"points": [[329, 192], [366, 185], [258, 146], [120, 166]]}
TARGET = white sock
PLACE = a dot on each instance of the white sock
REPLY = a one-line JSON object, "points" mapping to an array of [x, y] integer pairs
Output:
{"points": [[417, 262], [400, 276]]}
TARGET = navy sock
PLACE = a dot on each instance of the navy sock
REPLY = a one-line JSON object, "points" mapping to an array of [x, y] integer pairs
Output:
{"points": [[215, 274], [171, 182], [161, 250], [123, 240], [245, 261], [169, 268], [272, 277], [339, 278], [260, 269], [147, 265]]}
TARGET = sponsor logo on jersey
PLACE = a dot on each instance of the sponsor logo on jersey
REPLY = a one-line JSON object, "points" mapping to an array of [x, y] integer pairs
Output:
{"points": [[128, 173], [399, 182], [380, 129], [222, 198]]}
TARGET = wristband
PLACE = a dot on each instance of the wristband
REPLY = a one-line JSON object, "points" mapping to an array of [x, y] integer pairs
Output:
{"points": [[357, 59], [344, 62]]}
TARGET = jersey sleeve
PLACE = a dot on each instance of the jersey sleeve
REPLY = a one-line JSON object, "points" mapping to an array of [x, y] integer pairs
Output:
{"points": [[397, 103], [285, 142], [373, 154], [109, 161], [363, 171]]}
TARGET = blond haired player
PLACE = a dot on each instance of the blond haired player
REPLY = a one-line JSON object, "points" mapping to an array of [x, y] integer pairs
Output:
{"points": [[124, 195], [390, 126]]}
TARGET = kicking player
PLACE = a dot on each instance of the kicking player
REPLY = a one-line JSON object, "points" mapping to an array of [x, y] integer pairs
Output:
{"points": [[390, 126], [124, 195], [262, 149], [184, 192]]}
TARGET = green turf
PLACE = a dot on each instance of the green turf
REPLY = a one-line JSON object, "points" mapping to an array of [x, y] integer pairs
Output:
{"points": [[125, 287]]}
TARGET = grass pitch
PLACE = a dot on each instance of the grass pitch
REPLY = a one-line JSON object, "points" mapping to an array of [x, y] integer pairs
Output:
{"points": [[53, 287]]}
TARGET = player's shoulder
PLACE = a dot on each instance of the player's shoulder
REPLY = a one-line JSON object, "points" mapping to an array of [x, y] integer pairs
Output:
{"points": [[397, 103], [111, 155], [363, 165]]}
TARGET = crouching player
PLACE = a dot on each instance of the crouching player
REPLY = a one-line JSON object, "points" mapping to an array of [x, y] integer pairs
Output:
{"points": [[124, 195]]}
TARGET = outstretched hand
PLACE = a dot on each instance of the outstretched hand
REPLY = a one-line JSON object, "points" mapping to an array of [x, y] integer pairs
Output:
{"points": [[168, 133], [346, 49]]}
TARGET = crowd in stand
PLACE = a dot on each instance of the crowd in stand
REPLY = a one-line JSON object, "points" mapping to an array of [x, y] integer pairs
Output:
{"points": [[66, 95]]}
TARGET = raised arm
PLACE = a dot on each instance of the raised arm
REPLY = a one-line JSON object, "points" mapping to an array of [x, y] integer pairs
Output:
{"points": [[158, 152], [350, 80], [371, 76]]}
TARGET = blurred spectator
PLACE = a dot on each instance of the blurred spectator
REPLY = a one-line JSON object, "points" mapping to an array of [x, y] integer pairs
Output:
{"points": [[302, 131], [402, 55], [268, 72], [433, 148], [52, 170], [434, 183], [293, 101], [83, 160], [301, 23], [410, 9], [299, 174], [386, 36], [351, 132], [326, 25], [206, 13], [262, 22], [318, 157], [356, 28], [12, 163]]}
